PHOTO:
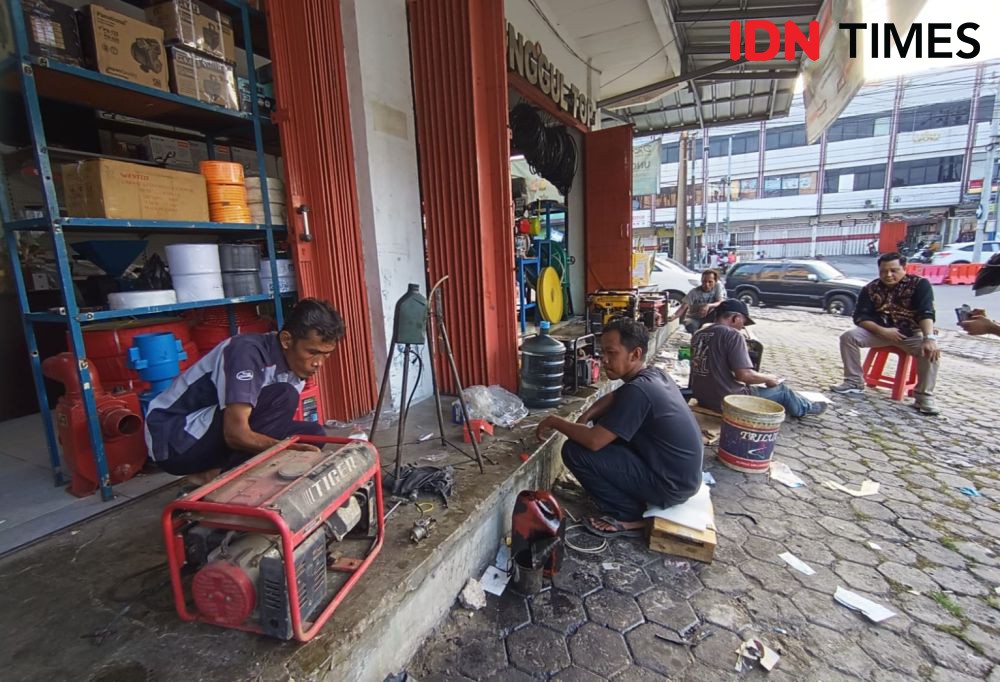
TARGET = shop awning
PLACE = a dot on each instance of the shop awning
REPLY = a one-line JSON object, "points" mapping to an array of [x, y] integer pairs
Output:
{"points": [[664, 65]]}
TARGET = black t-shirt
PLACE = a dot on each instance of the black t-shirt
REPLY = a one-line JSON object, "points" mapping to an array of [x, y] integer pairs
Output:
{"points": [[650, 414]]}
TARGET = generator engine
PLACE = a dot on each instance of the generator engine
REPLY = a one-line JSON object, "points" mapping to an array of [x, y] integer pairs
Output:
{"points": [[604, 306], [651, 309], [273, 545], [582, 367]]}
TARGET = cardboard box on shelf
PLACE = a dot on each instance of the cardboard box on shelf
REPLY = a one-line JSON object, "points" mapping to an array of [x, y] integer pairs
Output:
{"points": [[265, 102], [199, 153], [228, 40], [203, 78], [169, 151], [103, 188], [53, 31], [265, 73], [122, 144], [248, 158], [196, 25], [119, 46]]}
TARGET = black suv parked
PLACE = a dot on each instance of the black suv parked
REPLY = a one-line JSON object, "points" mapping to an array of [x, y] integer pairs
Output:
{"points": [[794, 282]]}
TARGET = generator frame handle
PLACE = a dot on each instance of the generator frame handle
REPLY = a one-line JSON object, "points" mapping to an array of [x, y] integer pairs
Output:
{"points": [[195, 503]]}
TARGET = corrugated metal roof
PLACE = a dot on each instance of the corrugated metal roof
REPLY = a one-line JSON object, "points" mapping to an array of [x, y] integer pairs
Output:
{"points": [[710, 89]]}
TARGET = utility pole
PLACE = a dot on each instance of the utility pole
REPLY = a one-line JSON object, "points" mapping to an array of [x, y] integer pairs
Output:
{"points": [[729, 184], [704, 198], [680, 214], [717, 202], [692, 225], [984, 198]]}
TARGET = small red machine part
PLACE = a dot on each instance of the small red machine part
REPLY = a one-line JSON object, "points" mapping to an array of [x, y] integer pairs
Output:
{"points": [[260, 539], [538, 518], [119, 420]]}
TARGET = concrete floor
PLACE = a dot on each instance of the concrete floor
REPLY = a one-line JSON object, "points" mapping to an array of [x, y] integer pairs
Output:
{"points": [[100, 594], [31, 505], [93, 602]]}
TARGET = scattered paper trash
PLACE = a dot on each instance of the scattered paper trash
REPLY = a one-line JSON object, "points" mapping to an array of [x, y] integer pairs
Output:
{"points": [[611, 566], [494, 580], [867, 488], [707, 478], [426, 436], [696, 513], [872, 545], [782, 473], [797, 563], [875, 612], [958, 463], [358, 435], [815, 397], [472, 595], [434, 457], [970, 491], [756, 650], [502, 559]]}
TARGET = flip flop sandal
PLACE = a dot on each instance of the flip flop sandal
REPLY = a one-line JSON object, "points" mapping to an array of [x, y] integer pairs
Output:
{"points": [[618, 532]]}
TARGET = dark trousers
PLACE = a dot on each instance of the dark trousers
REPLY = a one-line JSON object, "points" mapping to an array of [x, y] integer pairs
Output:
{"points": [[617, 479], [271, 416]]}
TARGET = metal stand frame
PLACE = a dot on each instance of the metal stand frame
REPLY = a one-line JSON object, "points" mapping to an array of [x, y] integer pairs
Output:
{"points": [[435, 314]]}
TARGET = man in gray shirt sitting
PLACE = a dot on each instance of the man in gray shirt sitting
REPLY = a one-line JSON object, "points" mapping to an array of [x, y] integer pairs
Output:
{"points": [[699, 303], [721, 366]]}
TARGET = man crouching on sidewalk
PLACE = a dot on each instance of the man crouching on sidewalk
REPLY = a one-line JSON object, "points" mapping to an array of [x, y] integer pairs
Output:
{"points": [[644, 446]]}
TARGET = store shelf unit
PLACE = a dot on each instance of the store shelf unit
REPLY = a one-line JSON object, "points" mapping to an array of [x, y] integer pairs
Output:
{"points": [[37, 78]]}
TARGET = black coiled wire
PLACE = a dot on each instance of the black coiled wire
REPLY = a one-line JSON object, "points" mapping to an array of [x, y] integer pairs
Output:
{"points": [[549, 150]]}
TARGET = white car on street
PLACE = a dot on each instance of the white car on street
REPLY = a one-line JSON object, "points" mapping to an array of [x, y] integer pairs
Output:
{"points": [[671, 278], [962, 252]]}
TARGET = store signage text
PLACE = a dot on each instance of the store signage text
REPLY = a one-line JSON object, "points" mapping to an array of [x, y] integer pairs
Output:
{"points": [[527, 59], [743, 40]]}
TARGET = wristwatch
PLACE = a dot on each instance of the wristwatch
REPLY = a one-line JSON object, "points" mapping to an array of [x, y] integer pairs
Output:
{"points": [[930, 337]]}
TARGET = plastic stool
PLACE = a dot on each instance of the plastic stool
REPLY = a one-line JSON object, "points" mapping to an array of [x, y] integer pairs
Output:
{"points": [[902, 382]]}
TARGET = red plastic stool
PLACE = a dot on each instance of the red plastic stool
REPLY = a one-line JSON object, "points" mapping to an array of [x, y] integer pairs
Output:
{"points": [[902, 382]]}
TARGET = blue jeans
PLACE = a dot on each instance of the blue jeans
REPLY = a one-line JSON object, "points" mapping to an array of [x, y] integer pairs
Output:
{"points": [[794, 404]]}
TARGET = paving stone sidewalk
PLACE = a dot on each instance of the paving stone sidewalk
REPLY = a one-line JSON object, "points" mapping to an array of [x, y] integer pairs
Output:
{"points": [[921, 547]]}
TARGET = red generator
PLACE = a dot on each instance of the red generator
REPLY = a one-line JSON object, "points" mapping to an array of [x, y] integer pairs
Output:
{"points": [[651, 311], [274, 545], [119, 420], [309, 409]]}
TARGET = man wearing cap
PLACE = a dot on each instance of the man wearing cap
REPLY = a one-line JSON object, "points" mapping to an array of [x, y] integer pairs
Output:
{"points": [[721, 366]]}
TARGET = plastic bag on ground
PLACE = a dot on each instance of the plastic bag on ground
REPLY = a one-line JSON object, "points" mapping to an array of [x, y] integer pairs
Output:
{"points": [[495, 404]]}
